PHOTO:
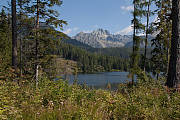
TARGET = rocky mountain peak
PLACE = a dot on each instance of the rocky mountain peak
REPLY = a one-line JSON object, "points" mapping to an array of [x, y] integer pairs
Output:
{"points": [[101, 31], [81, 33], [101, 38]]}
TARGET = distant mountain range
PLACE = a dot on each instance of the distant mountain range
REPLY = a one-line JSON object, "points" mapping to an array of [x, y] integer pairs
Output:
{"points": [[104, 39], [102, 42], [77, 43]]}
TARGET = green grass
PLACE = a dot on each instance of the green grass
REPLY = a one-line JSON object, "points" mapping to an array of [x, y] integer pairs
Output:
{"points": [[59, 101]]}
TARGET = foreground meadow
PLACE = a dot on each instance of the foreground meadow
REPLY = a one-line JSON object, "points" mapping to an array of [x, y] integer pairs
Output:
{"points": [[60, 101]]}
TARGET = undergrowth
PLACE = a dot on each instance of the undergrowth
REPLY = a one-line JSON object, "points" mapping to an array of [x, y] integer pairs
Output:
{"points": [[56, 100]]}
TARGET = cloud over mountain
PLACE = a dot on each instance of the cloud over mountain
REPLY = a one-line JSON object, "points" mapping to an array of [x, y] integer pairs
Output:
{"points": [[126, 30], [127, 8]]}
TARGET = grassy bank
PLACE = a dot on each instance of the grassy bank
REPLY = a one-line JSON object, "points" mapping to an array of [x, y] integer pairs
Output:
{"points": [[59, 101]]}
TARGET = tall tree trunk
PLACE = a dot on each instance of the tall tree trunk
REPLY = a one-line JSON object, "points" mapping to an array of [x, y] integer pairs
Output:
{"points": [[20, 37], [168, 49], [14, 35], [134, 36], [37, 43], [173, 79], [146, 39]]}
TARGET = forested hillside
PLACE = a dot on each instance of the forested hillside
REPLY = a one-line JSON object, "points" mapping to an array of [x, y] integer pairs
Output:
{"points": [[116, 58], [118, 51], [92, 62], [122, 52]]}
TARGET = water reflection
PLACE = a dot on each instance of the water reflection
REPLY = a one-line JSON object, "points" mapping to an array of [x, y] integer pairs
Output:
{"points": [[102, 80]]}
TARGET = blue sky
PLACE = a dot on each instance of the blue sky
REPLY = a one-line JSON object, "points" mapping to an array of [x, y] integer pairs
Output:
{"points": [[89, 15]]}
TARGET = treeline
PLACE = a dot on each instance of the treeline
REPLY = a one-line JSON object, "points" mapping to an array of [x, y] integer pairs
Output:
{"points": [[122, 52], [26, 39], [92, 62], [142, 14]]}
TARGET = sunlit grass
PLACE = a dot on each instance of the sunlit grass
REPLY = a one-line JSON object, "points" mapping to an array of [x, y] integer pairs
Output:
{"points": [[59, 101]]}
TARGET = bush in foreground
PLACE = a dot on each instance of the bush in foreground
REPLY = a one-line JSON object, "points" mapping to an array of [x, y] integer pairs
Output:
{"points": [[60, 101]]}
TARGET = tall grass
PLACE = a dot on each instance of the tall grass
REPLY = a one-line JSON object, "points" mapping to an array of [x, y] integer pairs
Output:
{"points": [[60, 101]]}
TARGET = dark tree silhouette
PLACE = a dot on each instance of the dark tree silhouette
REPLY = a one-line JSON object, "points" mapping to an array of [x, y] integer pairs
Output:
{"points": [[14, 34], [173, 80]]}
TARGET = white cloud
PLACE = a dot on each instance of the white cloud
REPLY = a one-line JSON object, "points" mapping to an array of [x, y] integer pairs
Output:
{"points": [[129, 29], [75, 29], [71, 30], [126, 30], [127, 8], [68, 31], [87, 31]]}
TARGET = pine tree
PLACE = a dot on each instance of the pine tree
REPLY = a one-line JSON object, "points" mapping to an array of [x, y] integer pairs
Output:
{"points": [[37, 41], [5, 40], [21, 6], [173, 79], [161, 43], [6, 45], [147, 14], [44, 14], [137, 28], [14, 35]]}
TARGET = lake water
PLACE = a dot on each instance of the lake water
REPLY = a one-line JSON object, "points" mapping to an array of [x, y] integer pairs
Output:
{"points": [[101, 80]]}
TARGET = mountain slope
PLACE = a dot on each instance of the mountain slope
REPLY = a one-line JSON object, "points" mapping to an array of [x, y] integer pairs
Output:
{"points": [[104, 39], [76, 43]]}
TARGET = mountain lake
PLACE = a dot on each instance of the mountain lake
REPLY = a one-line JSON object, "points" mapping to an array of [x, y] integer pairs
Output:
{"points": [[100, 80]]}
